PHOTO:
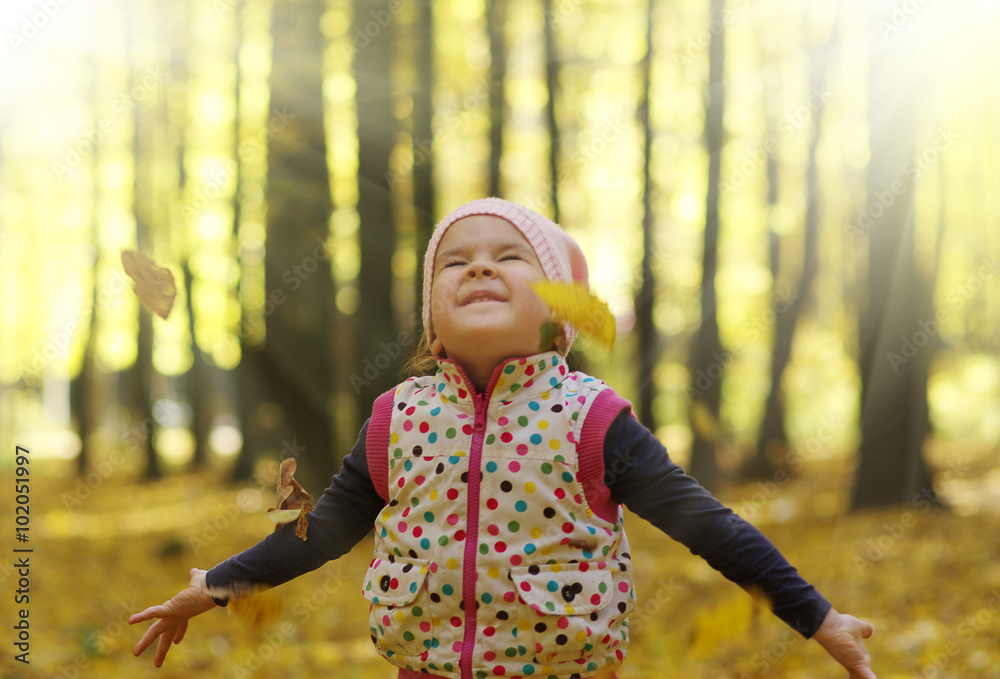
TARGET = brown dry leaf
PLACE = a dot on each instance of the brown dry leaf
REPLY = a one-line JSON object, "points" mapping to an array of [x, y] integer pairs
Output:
{"points": [[153, 284], [293, 500]]}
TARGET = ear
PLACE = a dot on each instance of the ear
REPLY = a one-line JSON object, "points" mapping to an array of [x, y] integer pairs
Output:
{"points": [[437, 348], [578, 263]]}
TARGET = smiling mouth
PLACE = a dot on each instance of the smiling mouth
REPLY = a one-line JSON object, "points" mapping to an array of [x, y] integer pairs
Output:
{"points": [[480, 297]]}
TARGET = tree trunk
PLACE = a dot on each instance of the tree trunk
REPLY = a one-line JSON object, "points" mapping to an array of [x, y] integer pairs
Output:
{"points": [[894, 413], [773, 440], [552, 86], [82, 386], [707, 360], [198, 386], [375, 364], [141, 375], [81, 390], [293, 361], [423, 114], [649, 344], [138, 381], [496, 23]]}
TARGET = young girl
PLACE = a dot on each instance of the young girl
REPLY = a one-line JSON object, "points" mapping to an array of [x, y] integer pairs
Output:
{"points": [[499, 543]]}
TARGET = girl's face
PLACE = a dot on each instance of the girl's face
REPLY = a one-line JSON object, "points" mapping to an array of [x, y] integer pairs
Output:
{"points": [[482, 308]]}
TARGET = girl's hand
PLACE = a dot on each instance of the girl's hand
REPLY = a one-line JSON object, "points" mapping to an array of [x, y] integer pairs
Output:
{"points": [[841, 635], [173, 616]]}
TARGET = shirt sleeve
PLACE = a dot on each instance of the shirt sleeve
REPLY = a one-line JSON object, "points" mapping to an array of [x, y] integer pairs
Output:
{"points": [[343, 516], [642, 476]]}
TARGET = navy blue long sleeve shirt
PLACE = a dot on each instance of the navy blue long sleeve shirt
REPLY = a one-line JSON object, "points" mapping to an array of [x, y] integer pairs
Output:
{"points": [[639, 474]]}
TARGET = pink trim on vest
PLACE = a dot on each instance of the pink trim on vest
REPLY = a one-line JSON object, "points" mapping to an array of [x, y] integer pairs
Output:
{"points": [[377, 443], [412, 674], [605, 408]]}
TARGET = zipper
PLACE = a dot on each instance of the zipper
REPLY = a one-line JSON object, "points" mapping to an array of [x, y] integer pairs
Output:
{"points": [[470, 574]]}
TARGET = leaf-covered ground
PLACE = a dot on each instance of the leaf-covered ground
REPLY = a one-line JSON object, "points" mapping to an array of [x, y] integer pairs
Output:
{"points": [[928, 579]]}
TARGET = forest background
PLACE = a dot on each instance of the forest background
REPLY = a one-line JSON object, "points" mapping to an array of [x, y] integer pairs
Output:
{"points": [[792, 208]]}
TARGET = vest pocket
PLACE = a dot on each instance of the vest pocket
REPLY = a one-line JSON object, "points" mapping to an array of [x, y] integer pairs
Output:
{"points": [[567, 600], [399, 624]]}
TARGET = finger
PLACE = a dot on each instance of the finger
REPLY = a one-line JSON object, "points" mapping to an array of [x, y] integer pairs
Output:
{"points": [[181, 631], [148, 614], [162, 647], [147, 638], [866, 629]]}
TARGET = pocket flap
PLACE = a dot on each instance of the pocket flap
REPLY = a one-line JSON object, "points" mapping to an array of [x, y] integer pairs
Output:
{"points": [[564, 589], [396, 582]]}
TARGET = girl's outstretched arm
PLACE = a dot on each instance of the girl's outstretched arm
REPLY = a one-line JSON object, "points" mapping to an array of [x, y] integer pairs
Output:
{"points": [[843, 637], [173, 616]]}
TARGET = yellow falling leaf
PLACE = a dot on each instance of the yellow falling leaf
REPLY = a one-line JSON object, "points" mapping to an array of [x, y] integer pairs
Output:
{"points": [[573, 303], [256, 605]]}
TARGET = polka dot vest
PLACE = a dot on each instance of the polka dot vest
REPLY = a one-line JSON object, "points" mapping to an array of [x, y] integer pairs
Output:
{"points": [[489, 558]]}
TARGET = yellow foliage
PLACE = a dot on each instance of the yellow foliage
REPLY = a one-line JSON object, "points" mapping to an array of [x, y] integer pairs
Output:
{"points": [[573, 303], [726, 621]]}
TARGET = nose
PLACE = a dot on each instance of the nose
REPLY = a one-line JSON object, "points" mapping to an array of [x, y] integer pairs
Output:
{"points": [[481, 267]]}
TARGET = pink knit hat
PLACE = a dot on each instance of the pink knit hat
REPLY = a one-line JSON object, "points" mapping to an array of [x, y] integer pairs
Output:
{"points": [[558, 254]]}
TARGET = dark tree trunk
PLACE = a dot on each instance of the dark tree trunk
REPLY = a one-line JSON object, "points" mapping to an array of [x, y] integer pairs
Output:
{"points": [[894, 414], [198, 386], [82, 386], [649, 344], [552, 85], [138, 380], [707, 360], [423, 172], [772, 441], [81, 393], [294, 362], [376, 362], [496, 23], [141, 374]]}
